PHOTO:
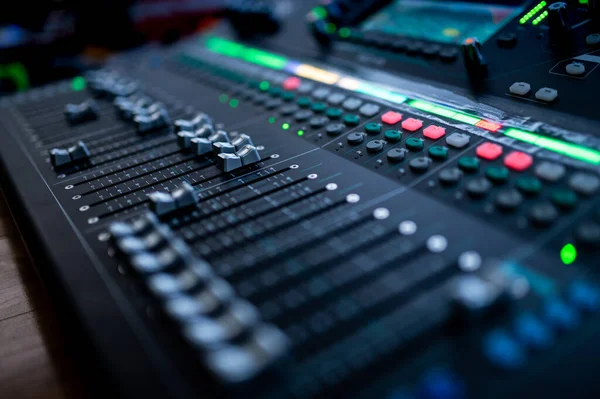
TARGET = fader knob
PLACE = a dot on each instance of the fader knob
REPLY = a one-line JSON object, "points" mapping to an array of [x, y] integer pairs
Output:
{"points": [[60, 157], [558, 22], [249, 155], [228, 162], [473, 57]]}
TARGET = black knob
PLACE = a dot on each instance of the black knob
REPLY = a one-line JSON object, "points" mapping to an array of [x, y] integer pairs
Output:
{"points": [[558, 22], [473, 58]]}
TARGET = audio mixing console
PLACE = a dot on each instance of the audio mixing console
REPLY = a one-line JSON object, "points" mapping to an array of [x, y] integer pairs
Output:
{"points": [[367, 199]]}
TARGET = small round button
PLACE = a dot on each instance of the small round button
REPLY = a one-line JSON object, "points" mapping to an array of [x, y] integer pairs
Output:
{"points": [[497, 174], [334, 129], [334, 113], [396, 155], [319, 107], [543, 214], [478, 187], [469, 164], [588, 234], [438, 152], [450, 176], [373, 128], [414, 144], [303, 115], [529, 185], [564, 199], [351, 120], [275, 92], [288, 96], [288, 109], [318, 122], [375, 145], [420, 164], [303, 102], [355, 138], [508, 199], [393, 135]]}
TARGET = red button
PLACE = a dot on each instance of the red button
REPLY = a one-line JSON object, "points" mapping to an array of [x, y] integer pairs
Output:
{"points": [[434, 132], [412, 125], [487, 125], [291, 83], [489, 151], [518, 161], [391, 117]]}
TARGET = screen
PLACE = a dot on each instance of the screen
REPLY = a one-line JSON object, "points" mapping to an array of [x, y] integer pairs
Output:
{"points": [[442, 21]]}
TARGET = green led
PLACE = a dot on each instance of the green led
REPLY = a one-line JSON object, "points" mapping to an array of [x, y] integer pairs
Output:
{"points": [[78, 83], [441, 111], [272, 120], [567, 149], [234, 103], [381, 93], [285, 126], [532, 13], [568, 254], [320, 12], [300, 133], [583, 2], [225, 47], [422, 105], [264, 85], [465, 118], [223, 98], [345, 32], [264, 58], [330, 28], [540, 18]]}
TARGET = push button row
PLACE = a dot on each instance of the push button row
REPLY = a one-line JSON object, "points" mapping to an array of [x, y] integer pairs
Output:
{"points": [[225, 329]]}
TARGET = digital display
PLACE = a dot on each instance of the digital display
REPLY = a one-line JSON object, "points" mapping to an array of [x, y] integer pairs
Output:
{"points": [[443, 21]]}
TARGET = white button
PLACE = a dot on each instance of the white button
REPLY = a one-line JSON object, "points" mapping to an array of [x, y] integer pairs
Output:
{"points": [[437, 243], [592, 39], [520, 88], [576, 68], [546, 94]]}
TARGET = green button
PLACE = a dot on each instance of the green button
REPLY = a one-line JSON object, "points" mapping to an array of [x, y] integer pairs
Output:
{"points": [[373, 128], [319, 107], [564, 199], [303, 102], [438, 152], [393, 135], [334, 113], [264, 86], [469, 164], [351, 120], [287, 96], [414, 144], [497, 174], [275, 92], [529, 185]]}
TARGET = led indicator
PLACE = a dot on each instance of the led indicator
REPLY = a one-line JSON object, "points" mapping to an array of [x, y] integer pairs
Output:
{"points": [[234, 103], [568, 254], [532, 13], [540, 18], [300, 133], [223, 98], [330, 28], [264, 85], [487, 125], [344, 33], [78, 83], [383, 94], [318, 74], [272, 120], [568, 149], [320, 12], [252, 55], [285, 126]]}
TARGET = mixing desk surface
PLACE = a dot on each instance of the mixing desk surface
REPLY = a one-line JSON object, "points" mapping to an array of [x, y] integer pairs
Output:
{"points": [[367, 199]]}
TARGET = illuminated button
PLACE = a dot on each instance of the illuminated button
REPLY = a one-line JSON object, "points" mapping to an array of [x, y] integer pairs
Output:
{"points": [[351, 120], [292, 83], [546, 94], [503, 351], [489, 151], [469, 164], [414, 144], [334, 113], [584, 296], [543, 214], [575, 68], [373, 128], [303, 102], [391, 117], [438, 152], [393, 135], [584, 183], [560, 315], [434, 132], [479, 187], [532, 332], [518, 161], [458, 140], [319, 107], [550, 172], [412, 125], [369, 110], [529, 185], [487, 125], [520, 88], [497, 174]]}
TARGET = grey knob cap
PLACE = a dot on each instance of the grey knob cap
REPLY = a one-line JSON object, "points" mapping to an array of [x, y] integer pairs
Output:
{"points": [[60, 157], [161, 203], [79, 152], [241, 140], [249, 155], [201, 146], [185, 196], [228, 162]]}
